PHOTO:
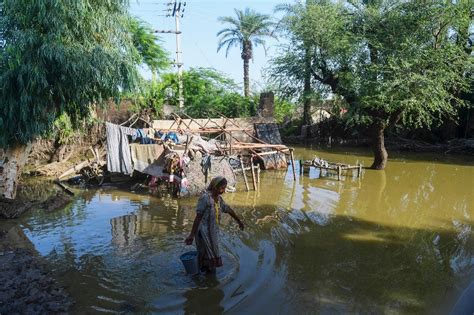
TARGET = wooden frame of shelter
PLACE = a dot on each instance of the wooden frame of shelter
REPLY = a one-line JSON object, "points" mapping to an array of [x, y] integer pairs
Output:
{"points": [[331, 166], [232, 143]]}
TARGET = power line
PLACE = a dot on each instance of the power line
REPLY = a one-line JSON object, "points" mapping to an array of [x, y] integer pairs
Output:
{"points": [[176, 9]]}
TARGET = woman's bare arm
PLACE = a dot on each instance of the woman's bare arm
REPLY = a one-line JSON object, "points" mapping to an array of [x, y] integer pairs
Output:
{"points": [[190, 238], [231, 212]]}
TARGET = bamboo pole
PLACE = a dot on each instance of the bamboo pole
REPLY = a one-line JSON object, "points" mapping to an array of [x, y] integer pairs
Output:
{"points": [[243, 173], [180, 121], [129, 119], [247, 133], [253, 174], [236, 125], [191, 120], [278, 148], [248, 168], [250, 147], [232, 137], [258, 174], [230, 143], [293, 164], [267, 153], [245, 145]]}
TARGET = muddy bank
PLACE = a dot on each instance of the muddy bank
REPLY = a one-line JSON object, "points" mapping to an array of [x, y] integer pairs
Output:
{"points": [[455, 146], [26, 284], [12, 209]]}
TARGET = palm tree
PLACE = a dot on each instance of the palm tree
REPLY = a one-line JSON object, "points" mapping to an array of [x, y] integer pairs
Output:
{"points": [[245, 31]]}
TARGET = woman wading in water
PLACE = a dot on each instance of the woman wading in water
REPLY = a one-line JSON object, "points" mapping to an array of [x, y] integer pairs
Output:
{"points": [[206, 224]]}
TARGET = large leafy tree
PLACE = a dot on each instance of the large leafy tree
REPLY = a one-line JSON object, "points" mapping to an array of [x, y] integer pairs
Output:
{"points": [[391, 61], [300, 71], [58, 57], [246, 31], [148, 45], [150, 54]]}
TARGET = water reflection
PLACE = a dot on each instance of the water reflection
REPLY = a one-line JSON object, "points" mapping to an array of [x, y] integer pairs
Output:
{"points": [[396, 241], [124, 230], [205, 299]]}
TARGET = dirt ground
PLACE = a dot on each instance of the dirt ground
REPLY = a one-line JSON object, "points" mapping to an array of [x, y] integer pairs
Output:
{"points": [[26, 284]]}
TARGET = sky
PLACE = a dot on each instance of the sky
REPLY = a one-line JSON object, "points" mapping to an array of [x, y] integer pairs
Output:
{"points": [[198, 39]]}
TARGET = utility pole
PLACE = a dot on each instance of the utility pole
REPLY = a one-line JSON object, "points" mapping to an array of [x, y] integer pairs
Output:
{"points": [[176, 10]]}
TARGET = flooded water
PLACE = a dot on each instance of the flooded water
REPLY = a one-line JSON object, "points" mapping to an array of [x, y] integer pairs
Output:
{"points": [[393, 241]]}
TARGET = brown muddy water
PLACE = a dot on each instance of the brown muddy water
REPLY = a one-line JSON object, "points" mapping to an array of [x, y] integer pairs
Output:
{"points": [[394, 241]]}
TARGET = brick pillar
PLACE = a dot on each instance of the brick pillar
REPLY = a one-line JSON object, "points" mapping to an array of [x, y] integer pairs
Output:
{"points": [[266, 104]]}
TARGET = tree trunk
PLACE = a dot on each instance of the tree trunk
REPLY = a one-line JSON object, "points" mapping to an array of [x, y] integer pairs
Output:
{"points": [[378, 145], [58, 154], [307, 89], [15, 158], [246, 77]]}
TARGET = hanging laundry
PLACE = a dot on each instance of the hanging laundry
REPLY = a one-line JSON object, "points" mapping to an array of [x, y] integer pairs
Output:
{"points": [[171, 136], [148, 158], [142, 134], [118, 150], [206, 163]]}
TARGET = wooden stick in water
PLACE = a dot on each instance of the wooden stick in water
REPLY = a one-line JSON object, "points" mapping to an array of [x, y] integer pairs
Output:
{"points": [[293, 164], [253, 174], [258, 173], [243, 173]]}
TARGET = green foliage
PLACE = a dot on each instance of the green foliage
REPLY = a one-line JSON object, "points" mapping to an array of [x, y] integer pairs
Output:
{"points": [[292, 128], [147, 44], [206, 92], [150, 96], [59, 57], [390, 60], [284, 110], [63, 128]]}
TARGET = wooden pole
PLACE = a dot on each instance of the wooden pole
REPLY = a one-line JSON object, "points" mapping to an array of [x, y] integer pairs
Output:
{"points": [[359, 169], [230, 142], [257, 167], [254, 181], [301, 167], [232, 137], [236, 125], [293, 164], [186, 146], [339, 172], [66, 189], [243, 173]]}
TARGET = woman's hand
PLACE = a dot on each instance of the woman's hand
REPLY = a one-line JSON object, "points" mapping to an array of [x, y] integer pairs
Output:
{"points": [[189, 240]]}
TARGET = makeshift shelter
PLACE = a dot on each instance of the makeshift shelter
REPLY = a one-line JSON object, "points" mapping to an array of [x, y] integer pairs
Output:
{"points": [[187, 153]]}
